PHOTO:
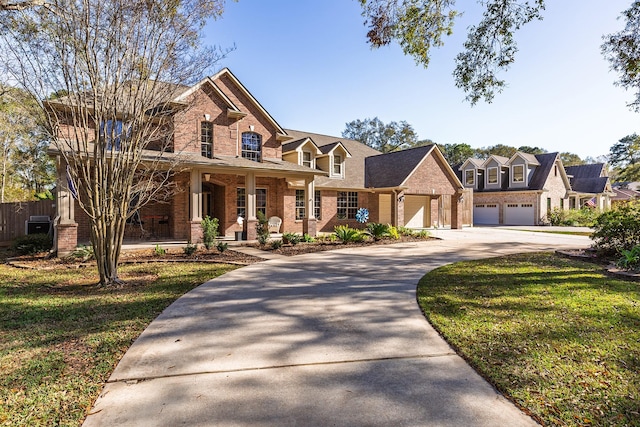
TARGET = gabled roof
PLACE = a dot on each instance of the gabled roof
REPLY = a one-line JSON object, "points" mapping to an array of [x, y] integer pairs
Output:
{"points": [[226, 72], [625, 194], [595, 170], [541, 173], [529, 158], [502, 161], [392, 169], [326, 149], [294, 145], [476, 163], [590, 185], [354, 165]]}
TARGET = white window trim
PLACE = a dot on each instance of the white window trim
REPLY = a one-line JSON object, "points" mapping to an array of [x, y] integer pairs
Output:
{"points": [[333, 163], [497, 176], [313, 160], [524, 175], [473, 177]]}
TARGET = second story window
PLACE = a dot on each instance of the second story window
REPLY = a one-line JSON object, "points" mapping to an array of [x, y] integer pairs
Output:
{"points": [[113, 131], [306, 159], [492, 176], [469, 177], [252, 146], [206, 139], [337, 165], [518, 173]]}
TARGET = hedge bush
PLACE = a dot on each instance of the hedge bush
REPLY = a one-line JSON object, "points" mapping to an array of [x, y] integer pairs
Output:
{"points": [[32, 244], [617, 230]]}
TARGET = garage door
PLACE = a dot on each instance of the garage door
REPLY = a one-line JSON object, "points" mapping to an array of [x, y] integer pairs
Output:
{"points": [[519, 214], [415, 211], [484, 213]]}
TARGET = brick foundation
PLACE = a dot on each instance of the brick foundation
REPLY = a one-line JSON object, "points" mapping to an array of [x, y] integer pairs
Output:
{"points": [[195, 232], [309, 226]]}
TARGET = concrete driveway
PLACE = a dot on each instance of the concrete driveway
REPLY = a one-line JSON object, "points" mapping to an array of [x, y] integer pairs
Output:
{"points": [[325, 339]]}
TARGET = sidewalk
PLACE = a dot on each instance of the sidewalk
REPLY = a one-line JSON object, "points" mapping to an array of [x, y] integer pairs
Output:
{"points": [[332, 338]]}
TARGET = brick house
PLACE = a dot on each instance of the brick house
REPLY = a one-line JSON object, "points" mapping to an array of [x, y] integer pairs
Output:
{"points": [[236, 160], [523, 189]]}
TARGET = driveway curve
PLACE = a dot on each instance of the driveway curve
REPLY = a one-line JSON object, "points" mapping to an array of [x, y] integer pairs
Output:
{"points": [[326, 339]]}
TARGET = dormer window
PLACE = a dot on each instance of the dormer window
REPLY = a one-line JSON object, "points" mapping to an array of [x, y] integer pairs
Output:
{"points": [[492, 175], [307, 159], [518, 173], [470, 177], [252, 146], [336, 169]]}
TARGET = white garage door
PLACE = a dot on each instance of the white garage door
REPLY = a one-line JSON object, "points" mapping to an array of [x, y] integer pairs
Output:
{"points": [[384, 207], [486, 213], [519, 214], [415, 211]]}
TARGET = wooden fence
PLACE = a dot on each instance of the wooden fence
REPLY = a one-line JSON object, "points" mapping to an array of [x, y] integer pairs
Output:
{"points": [[14, 215]]}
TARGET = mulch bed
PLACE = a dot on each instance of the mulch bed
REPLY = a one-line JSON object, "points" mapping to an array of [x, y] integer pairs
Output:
{"points": [[43, 261], [320, 246]]}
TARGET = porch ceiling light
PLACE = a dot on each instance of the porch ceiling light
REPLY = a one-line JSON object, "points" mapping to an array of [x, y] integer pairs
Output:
{"points": [[207, 177]]}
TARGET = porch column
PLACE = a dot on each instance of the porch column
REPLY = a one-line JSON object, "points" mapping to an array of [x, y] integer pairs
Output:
{"points": [[457, 205], [65, 228], [251, 220], [599, 202], [195, 222], [309, 222]]}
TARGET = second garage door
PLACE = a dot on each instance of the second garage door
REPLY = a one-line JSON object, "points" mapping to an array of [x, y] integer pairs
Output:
{"points": [[519, 214], [415, 211], [486, 213]]}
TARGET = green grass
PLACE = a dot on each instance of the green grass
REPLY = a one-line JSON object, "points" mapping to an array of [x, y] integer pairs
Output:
{"points": [[61, 336], [555, 335]]}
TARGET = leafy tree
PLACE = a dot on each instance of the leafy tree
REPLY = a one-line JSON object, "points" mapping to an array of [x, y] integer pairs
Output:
{"points": [[571, 159], [419, 25], [498, 150], [457, 153], [26, 168], [625, 157], [115, 65], [532, 150], [622, 50], [383, 137]]}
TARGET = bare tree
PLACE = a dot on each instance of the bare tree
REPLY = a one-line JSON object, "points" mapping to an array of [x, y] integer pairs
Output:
{"points": [[119, 65]]}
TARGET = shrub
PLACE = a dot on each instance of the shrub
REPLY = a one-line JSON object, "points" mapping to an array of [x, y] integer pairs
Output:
{"points": [[393, 232], [573, 217], [308, 239], [83, 253], [190, 249], [159, 251], [617, 230], [377, 230], [348, 234], [31, 244], [262, 229], [276, 244], [423, 234], [222, 246], [292, 238], [630, 259], [209, 231], [405, 231]]}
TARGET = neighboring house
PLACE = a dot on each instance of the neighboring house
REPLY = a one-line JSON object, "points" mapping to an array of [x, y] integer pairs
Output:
{"points": [[622, 195], [236, 160], [523, 189]]}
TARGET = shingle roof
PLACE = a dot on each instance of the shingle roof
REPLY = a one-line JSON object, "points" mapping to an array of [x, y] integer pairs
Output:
{"points": [[392, 169], [542, 172], [290, 146], [587, 178], [590, 185], [585, 171], [528, 157], [354, 165], [624, 194]]}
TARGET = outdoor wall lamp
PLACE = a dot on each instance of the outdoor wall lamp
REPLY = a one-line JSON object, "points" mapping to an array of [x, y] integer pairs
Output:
{"points": [[207, 117], [401, 198]]}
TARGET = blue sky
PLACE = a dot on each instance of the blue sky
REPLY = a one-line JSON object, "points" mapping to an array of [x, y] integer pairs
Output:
{"points": [[309, 65]]}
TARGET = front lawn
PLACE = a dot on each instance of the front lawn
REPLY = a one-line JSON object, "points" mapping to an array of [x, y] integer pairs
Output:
{"points": [[557, 336], [61, 336]]}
